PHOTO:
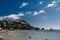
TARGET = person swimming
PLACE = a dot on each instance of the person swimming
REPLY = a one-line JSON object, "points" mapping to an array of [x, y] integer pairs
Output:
{"points": [[46, 39], [29, 37]]}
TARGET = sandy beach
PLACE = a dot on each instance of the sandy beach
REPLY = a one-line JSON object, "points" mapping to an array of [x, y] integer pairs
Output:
{"points": [[4, 34], [30, 35]]}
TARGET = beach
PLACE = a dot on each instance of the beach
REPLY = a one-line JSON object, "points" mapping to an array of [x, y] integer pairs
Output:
{"points": [[34, 34]]}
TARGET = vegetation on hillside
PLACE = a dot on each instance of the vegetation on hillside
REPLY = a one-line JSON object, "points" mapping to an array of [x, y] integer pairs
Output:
{"points": [[22, 25]]}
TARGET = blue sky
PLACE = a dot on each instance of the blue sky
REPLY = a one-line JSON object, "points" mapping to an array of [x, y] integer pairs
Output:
{"points": [[39, 13]]}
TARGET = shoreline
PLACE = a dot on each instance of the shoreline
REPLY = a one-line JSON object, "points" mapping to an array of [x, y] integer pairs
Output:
{"points": [[5, 30]]}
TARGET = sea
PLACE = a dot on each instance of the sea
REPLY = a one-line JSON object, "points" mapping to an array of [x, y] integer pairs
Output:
{"points": [[31, 35]]}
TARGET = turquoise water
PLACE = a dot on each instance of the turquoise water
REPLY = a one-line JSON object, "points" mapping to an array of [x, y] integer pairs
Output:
{"points": [[35, 35]]}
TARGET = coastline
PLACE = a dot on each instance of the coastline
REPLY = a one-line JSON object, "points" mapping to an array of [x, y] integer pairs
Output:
{"points": [[4, 30]]}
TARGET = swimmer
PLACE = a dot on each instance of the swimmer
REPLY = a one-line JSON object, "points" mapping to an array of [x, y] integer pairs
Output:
{"points": [[29, 37], [46, 38]]}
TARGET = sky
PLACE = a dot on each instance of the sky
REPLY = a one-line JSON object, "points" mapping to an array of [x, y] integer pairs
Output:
{"points": [[38, 13]]}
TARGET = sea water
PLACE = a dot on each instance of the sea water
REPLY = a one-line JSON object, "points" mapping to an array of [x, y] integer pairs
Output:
{"points": [[34, 34]]}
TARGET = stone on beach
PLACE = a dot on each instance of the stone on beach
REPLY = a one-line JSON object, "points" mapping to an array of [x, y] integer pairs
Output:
{"points": [[0, 29]]}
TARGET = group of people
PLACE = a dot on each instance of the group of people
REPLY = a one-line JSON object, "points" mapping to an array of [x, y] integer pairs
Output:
{"points": [[30, 38]]}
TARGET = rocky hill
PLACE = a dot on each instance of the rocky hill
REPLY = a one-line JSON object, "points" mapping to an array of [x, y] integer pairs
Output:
{"points": [[22, 25]]}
